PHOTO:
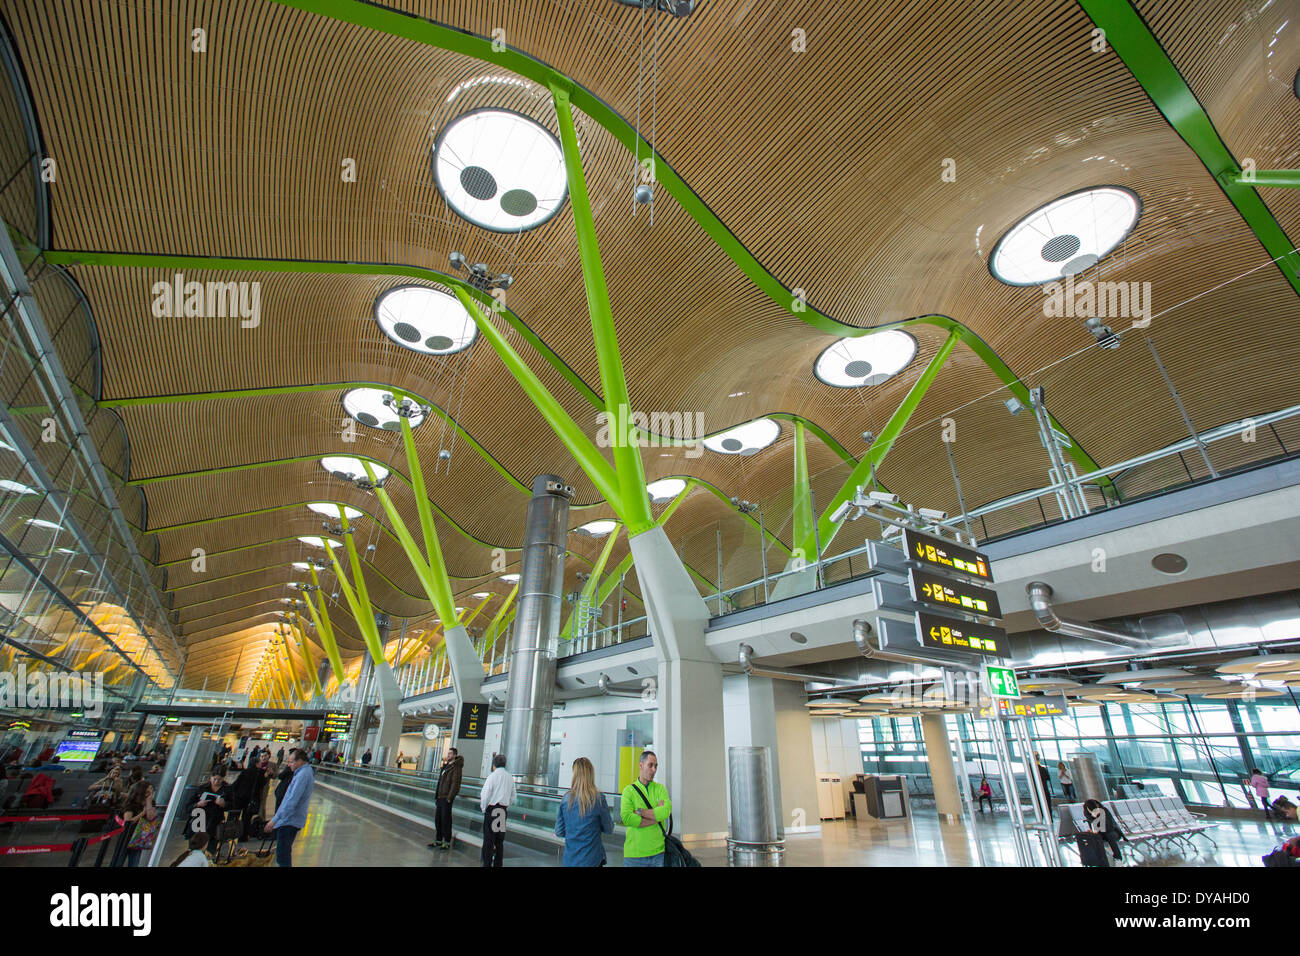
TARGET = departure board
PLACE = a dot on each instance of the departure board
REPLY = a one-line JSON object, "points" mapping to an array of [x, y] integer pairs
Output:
{"points": [[938, 553]]}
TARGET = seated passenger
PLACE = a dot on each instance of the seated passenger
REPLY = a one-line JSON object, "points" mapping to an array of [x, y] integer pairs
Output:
{"points": [[39, 793], [1285, 809]]}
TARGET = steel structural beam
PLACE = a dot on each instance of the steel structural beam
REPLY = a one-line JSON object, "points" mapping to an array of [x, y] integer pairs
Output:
{"points": [[1131, 38]]}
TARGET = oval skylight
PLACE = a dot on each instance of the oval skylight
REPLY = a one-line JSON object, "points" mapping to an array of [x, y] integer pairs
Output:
{"points": [[316, 541], [301, 565], [42, 523], [599, 528], [425, 320], [351, 469], [500, 170], [367, 405], [666, 488], [510, 578], [1066, 236], [16, 487], [746, 439], [331, 510], [481, 594], [865, 360]]}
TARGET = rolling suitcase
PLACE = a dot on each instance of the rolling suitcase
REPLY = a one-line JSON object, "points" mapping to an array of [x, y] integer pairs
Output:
{"points": [[1092, 849]]}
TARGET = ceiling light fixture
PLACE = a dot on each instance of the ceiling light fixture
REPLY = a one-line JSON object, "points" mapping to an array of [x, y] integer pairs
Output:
{"points": [[425, 320], [500, 170], [865, 360], [381, 409], [1066, 236], [747, 439]]}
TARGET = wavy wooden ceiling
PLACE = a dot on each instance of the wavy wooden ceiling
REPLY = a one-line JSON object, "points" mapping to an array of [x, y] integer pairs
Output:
{"points": [[825, 164]]}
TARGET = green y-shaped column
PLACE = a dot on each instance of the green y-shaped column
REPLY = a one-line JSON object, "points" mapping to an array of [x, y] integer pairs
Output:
{"points": [[300, 634], [593, 582], [321, 617]]}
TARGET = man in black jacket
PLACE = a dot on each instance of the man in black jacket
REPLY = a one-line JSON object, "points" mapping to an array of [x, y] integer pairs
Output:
{"points": [[453, 766], [213, 802]]}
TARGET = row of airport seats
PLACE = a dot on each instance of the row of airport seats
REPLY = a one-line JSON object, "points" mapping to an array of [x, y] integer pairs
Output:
{"points": [[1149, 824]]}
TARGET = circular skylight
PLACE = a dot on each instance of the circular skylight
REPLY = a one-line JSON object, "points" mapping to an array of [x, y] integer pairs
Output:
{"points": [[367, 405], [1066, 236], [42, 523], [331, 510], [500, 170], [746, 439], [316, 541], [666, 488], [425, 320], [351, 469], [481, 594], [16, 487], [599, 528], [865, 360], [510, 578], [301, 565]]}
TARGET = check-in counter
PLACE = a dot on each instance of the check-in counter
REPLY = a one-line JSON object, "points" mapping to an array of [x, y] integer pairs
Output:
{"points": [[885, 796]]}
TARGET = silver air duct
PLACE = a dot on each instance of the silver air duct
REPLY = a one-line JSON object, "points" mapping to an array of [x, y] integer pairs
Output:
{"points": [[530, 697], [605, 688], [870, 649], [1040, 594], [746, 655]]}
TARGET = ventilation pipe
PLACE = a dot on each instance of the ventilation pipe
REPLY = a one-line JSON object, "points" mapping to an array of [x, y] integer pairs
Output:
{"points": [[746, 654], [1040, 594], [605, 688], [869, 648], [496, 703]]}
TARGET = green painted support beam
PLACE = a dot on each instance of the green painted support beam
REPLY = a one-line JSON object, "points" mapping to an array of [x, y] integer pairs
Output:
{"points": [[1285, 178], [880, 448], [293, 668], [493, 628], [305, 650], [443, 602], [324, 627], [1131, 38], [802, 488], [358, 600], [635, 509], [590, 460], [593, 580]]}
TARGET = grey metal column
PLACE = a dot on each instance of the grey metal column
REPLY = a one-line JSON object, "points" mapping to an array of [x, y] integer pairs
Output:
{"points": [[526, 734]]}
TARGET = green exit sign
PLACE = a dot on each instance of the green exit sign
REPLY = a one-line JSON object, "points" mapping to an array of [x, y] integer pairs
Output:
{"points": [[1002, 681]]}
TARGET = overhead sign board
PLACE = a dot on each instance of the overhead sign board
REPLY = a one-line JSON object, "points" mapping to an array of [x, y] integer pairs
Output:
{"points": [[952, 634], [1051, 705], [944, 555], [1002, 681], [337, 724], [952, 594], [473, 721]]}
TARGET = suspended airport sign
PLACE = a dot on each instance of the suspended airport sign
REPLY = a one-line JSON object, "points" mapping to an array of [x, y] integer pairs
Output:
{"points": [[952, 595], [1050, 705], [1002, 681], [943, 555], [337, 724], [473, 721], [952, 634]]}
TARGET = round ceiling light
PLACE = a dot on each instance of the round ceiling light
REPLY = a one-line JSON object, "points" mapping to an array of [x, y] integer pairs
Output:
{"points": [[1066, 236], [331, 510], [866, 359], [1260, 664], [351, 469], [823, 703], [747, 439], [316, 541], [500, 170], [1243, 693], [598, 528], [425, 320], [665, 488], [376, 407], [1157, 674], [1169, 563]]}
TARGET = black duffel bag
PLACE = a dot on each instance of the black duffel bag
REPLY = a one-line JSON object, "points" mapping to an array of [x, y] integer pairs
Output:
{"points": [[674, 853]]}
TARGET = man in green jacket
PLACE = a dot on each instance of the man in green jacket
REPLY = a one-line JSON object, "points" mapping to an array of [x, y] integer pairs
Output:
{"points": [[644, 843]]}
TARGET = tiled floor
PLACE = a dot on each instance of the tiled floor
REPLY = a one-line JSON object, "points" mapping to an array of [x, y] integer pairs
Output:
{"points": [[342, 832]]}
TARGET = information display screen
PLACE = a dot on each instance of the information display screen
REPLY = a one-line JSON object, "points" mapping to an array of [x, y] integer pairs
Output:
{"points": [[938, 553], [945, 592], [77, 749], [1054, 705], [951, 634], [337, 724]]}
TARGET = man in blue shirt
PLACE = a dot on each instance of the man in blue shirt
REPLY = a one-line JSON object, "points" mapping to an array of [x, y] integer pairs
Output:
{"points": [[291, 814]]}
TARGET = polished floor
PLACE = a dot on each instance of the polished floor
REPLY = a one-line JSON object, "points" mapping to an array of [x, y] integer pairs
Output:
{"points": [[343, 832]]}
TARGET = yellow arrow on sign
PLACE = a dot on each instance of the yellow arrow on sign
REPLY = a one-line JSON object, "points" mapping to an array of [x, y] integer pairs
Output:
{"points": [[920, 551], [934, 633], [925, 589]]}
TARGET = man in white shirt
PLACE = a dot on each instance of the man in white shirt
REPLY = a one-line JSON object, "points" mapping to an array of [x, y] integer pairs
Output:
{"points": [[498, 793]]}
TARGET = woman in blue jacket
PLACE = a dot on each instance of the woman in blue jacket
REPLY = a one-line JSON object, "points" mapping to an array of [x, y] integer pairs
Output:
{"points": [[582, 817]]}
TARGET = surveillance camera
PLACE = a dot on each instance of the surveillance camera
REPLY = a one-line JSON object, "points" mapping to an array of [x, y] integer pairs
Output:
{"points": [[868, 437], [505, 281], [840, 513], [933, 514], [883, 496], [457, 260]]}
